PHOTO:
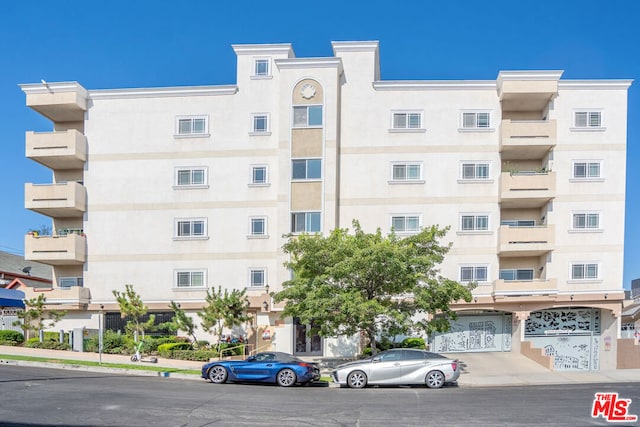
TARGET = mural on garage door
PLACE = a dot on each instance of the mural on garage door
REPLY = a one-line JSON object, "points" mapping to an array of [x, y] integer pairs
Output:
{"points": [[571, 336], [474, 334]]}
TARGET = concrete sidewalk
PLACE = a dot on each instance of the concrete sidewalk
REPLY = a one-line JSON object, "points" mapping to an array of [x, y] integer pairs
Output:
{"points": [[478, 369]]}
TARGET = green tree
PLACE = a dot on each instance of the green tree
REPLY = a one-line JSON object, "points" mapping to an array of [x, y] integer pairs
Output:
{"points": [[364, 282], [33, 317], [224, 310], [183, 322], [132, 307]]}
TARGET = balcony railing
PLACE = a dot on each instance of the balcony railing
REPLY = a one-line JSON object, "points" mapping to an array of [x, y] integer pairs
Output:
{"points": [[71, 297], [525, 241], [527, 189], [523, 288], [56, 250], [57, 150], [62, 200]]}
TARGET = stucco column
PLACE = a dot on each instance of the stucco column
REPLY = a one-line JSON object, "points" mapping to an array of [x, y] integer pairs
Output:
{"points": [[517, 333]]}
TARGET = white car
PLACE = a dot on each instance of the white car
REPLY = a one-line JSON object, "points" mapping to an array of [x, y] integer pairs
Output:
{"points": [[399, 366]]}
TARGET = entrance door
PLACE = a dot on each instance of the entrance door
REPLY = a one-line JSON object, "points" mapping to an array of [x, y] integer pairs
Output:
{"points": [[307, 342]]}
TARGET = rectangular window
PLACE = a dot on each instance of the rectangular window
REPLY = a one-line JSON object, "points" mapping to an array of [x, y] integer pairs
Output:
{"points": [[476, 273], [588, 119], [191, 228], [476, 120], [192, 125], [190, 279], [405, 223], [475, 171], [409, 120], [305, 222], [261, 67], [584, 271], [518, 222], [586, 170], [259, 175], [306, 169], [260, 123], [406, 172], [258, 226], [186, 177], [586, 221], [474, 222], [257, 277], [307, 116], [520, 275], [68, 282]]}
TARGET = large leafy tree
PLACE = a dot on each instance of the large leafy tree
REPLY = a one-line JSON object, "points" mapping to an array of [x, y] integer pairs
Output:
{"points": [[133, 308], [34, 318], [359, 282], [224, 309]]}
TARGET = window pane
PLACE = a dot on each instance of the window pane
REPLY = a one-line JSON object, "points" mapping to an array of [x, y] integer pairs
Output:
{"points": [[262, 67], [314, 167], [482, 222], [259, 175], [580, 170], [592, 271], [483, 120], [198, 125], [397, 222], [414, 121], [466, 274], [257, 226], [399, 121], [468, 171], [581, 119], [467, 222], [315, 115], [594, 170], [578, 221], [593, 221], [507, 275], [577, 271], [413, 171], [300, 116], [198, 228], [183, 278], [197, 278], [481, 274], [197, 177], [524, 275], [260, 124], [184, 177], [594, 119], [257, 278], [469, 120], [299, 169], [184, 228], [482, 171], [399, 172], [184, 126], [413, 223], [313, 222]]}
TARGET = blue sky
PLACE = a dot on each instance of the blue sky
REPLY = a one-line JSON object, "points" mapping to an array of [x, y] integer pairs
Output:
{"points": [[119, 44]]}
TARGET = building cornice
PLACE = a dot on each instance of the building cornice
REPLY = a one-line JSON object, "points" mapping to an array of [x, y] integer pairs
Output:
{"points": [[435, 85], [355, 46], [296, 63], [163, 92], [595, 84], [529, 75], [53, 87], [264, 49]]}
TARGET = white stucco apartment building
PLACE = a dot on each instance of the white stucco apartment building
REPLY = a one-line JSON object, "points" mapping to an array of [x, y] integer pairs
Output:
{"points": [[178, 189]]}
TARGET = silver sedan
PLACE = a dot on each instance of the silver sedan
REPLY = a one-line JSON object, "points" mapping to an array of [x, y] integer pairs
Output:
{"points": [[400, 366]]}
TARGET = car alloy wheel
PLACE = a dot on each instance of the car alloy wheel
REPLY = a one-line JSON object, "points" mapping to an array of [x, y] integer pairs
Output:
{"points": [[218, 374], [357, 379], [435, 379], [286, 378]]}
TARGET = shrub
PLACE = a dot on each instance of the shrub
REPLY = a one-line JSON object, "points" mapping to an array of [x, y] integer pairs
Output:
{"points": [[112, 343], [49, 345], [413, 343], [168, 347], [14, 337], [197, 355]]}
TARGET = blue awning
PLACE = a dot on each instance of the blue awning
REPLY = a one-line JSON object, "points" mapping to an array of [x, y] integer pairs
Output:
{"points": [[11, 298]]}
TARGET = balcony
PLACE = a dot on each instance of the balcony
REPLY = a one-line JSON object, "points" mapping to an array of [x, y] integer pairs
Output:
{"points": [[75, 297], [57, 150], [511, 288], [59, 102], [529, 91], [527, 139], [64, 200], [525, 241], [69, 249], [527, 189]]}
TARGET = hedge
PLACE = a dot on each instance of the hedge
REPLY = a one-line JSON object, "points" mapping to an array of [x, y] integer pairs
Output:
{"points": [[14, 337]]}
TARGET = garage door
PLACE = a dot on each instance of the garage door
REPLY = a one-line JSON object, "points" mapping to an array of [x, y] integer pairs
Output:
{"points": [[475, 333]]}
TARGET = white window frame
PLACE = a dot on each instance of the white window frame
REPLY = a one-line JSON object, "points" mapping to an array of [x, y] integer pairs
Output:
{"points": [[474, 273], [585, 265], [254, 130], [406, 180], [405, 217], [75, 282], [407, 126], [191, 170], [307, 125], [255, 74], [191, 274], [192, 134], [264, 234], [586, 228], [587, 126], [476, 128], [306, 222], [476, 165], [476, 219], [252, 170], [587, 166], [306, 169], [192, 221], [250, 273]]}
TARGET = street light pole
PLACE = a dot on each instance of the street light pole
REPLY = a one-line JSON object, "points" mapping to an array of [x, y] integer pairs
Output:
{"points": [[100, 322]]}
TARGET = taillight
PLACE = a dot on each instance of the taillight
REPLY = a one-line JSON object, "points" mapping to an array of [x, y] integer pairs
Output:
{"points": [[454, 366], [306, 365]]}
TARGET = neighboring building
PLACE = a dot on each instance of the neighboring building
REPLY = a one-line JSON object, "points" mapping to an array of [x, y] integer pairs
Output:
{"points": [[14, 269], [179, 189]]}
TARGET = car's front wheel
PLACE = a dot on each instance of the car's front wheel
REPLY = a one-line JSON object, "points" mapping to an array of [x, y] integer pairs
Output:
{"points": [[218, 374], [435, 379], [357, 379], [286, 378]]}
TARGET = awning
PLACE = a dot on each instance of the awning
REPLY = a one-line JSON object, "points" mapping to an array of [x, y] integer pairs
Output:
{"points": [[11, 298]]}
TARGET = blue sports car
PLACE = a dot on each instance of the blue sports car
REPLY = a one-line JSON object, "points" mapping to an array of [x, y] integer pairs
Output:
{"points": [[267, 367]]}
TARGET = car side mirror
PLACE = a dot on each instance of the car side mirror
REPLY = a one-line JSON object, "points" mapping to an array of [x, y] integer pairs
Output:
{"points": [[376, 359], [251, 359]]}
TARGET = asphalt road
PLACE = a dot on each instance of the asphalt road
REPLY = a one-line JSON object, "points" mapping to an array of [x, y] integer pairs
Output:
{"points": [[40, 396]]}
